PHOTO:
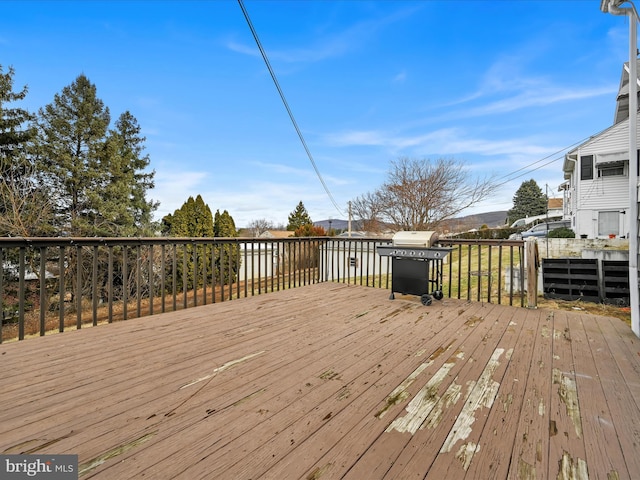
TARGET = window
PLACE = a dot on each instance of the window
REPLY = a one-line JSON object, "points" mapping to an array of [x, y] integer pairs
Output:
{"points": [[586, 167], [611, 171], [608, 223]]}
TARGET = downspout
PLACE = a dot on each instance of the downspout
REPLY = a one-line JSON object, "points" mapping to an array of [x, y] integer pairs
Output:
{"points": [[572, 208], [613, 7]]}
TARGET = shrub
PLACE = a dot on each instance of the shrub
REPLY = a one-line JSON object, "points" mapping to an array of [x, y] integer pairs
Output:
{"points": [[563, 232]]}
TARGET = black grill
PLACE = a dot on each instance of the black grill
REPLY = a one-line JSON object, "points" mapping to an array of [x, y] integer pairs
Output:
{"points": [[416, 265]]}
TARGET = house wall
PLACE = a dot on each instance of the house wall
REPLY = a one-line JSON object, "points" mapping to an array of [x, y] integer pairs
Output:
{"points": [[587, 198]]}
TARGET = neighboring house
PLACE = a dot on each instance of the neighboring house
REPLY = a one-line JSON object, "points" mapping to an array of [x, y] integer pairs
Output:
{"points": [[597, 172], [276, 234]]}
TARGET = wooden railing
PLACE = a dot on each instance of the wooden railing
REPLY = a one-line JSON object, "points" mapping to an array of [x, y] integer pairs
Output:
{"points": [[53, 284]]}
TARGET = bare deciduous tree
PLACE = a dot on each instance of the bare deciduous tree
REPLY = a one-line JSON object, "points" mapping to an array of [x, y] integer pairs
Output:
{"points": [[420, 194], [258, 227], [25, 209]]}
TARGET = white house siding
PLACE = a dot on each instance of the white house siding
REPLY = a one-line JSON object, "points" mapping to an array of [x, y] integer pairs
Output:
{"points": [[587, 198]]}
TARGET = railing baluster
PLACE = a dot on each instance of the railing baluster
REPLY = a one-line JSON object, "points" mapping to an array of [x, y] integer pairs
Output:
{"points": [[499, 274], [138, 282], [110, 285], [174, 276], [185, 275], [43, 289], [237, 271], [489, 275], [195, 274], [150, 281], [94, 287], [125, 281], [21, 294], [204, 273], [79, 287], [259, 268], [62, 291], [163, 286]]}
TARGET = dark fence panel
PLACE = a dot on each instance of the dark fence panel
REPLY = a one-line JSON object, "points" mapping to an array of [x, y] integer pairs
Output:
{"points": [[50, 284]]}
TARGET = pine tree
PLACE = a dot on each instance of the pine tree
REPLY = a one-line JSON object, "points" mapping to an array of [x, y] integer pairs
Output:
{"points": [[71, 131], [95, 177], [24, 206], [298, 218], [121, 201], [528, 201], [15, 133]]}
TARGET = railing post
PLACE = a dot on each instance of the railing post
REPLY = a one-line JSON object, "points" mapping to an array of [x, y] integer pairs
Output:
{"points": [[533, 264]]}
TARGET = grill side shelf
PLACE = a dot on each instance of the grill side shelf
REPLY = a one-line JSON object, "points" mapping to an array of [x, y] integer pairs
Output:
{"points": [[432, 253]]}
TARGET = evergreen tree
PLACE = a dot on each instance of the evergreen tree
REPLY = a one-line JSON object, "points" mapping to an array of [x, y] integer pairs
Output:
{"points": [[24, 206], [95, 176], [528, 201], [121, 201], [227, 259], [71, 139], [194, 220], [15, 133], [298, 218], [223, 225]]}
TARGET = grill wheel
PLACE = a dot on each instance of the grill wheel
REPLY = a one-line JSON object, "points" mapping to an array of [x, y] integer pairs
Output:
{"points": [[426, 299]]}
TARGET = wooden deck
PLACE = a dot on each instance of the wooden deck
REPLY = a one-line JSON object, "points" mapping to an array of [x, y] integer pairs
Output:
{"points": [[332, 381]]}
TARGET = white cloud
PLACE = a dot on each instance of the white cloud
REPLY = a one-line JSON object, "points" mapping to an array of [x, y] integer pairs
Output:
{"points": [[400, 77]]}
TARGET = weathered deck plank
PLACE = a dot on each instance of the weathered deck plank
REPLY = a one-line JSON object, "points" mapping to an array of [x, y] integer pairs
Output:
{"points": [[331, 381], [566, 447], [592, 378]]}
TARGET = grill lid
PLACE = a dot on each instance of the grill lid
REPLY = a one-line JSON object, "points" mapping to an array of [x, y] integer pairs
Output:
{"points": [[415, 239]]}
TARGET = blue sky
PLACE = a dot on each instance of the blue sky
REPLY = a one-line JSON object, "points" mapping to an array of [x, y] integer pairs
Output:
{"points": [[499, 85]]}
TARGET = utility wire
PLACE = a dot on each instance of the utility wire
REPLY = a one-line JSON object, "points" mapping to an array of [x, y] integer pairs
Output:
{"points": [[286, 105], [509, 176]]}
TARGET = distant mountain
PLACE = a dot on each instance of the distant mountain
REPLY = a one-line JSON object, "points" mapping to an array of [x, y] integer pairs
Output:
{"points": [[337, 224], [490, 219]]}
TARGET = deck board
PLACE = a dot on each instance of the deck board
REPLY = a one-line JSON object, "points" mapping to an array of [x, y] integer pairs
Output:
{"points": [[332, 381]]}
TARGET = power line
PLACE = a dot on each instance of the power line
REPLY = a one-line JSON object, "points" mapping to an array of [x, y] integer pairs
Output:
{"points": [[509, 177], [286, 105]]}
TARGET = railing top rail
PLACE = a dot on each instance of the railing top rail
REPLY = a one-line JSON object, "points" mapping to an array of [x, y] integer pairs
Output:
{"points": [[37, 242], [481, 241]]}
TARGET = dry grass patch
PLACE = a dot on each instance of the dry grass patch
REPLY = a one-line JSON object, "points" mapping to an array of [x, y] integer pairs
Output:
{"points": [[623, 313]]}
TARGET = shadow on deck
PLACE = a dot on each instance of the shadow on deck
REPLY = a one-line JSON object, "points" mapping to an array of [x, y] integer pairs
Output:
{"points": [[332, 381]]}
